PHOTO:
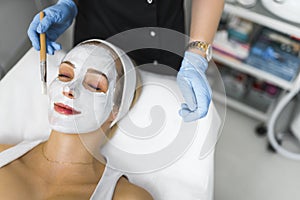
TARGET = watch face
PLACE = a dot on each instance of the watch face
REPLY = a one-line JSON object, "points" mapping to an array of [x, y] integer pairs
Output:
{"points": [[209, 53]]}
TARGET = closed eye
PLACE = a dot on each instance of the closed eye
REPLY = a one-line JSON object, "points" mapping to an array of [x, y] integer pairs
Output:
{"points": [[98, 89], [95, 81], [66, 72], [64, 77]]}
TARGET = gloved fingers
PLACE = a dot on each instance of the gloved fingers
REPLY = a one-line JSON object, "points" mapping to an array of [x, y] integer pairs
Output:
{"points": [[187, 91], [192, 116], [46, 22], [184, 106], [203, 90], [52, 34], [189, 115], [52, 46], [203, 94], [184, 110], [32, 33], [203, 108], [55, 46], [50, 50]]}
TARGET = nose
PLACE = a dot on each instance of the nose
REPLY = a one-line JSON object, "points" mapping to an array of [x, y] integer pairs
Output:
{"points": [[69, 92]]}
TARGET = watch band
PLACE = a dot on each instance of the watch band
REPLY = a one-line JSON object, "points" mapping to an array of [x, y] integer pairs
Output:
{"points": [[202, 46]]}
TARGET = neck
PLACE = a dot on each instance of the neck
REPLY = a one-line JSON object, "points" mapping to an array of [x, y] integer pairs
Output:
{"points": [[71, 158], [73, 149]]}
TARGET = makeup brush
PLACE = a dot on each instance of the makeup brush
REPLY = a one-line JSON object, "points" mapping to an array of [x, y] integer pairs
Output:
{"points": [[43, 59]]}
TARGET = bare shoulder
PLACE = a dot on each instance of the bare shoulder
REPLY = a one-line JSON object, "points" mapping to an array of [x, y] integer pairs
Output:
{"points": [[5, 146], [128, 191]]}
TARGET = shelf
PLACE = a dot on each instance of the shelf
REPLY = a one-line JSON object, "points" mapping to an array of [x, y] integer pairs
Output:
{"points": [[258, 14], [240, 66], [235, 104]]}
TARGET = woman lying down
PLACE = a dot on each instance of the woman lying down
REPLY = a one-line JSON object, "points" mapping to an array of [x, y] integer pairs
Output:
{"points": [[85, 101]]}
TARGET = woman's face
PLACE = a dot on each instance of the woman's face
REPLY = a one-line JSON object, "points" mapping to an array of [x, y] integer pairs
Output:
{"points": [[81, 95]]}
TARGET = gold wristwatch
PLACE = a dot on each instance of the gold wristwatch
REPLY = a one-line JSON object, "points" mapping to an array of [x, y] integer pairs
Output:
{"points": [[202, 46]]}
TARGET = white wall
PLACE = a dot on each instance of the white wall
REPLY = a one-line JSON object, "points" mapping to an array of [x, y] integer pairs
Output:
{"points": [[15, 16]]}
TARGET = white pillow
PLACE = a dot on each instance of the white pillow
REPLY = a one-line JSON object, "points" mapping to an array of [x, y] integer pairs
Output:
{"points": [[186, 173], [174, 163]]}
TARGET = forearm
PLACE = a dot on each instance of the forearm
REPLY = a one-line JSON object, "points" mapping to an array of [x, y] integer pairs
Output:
{"points": [[191, 77], [205, 19]]}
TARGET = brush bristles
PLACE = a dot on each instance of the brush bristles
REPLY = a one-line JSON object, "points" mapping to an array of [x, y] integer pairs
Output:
{"points": [[44, 88]]}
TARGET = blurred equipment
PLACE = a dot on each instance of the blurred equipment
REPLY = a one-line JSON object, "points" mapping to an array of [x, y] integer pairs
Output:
{"points": [[247, 3], [276, 138], [295, 126], [235, 36], [279, 51], [285, 9]]}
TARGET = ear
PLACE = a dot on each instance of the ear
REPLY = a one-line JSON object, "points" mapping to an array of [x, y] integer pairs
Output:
{"points": [[108, 123], [114, 113]]}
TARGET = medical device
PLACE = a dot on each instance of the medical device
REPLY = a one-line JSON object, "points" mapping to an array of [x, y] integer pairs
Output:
{"points": [[43, 59], [295, 123], [285, 9], [247, 3]]}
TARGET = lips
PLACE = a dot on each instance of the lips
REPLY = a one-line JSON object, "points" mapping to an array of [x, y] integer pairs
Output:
{"points": [[65, 110]]}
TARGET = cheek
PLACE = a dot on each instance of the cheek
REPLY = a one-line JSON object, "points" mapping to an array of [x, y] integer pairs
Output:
{"points": [[55, 88], [89, 102], [99, 104], [99, 101]]}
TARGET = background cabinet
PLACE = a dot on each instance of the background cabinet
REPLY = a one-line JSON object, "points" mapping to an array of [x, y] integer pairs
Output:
{"points": [[260, 16]]}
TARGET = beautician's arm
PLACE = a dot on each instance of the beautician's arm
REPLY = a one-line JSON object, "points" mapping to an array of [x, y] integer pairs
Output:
{"points": [[191, 77], [205, 19]]}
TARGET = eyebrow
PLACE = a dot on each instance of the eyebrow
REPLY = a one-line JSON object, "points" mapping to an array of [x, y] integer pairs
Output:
{"points": [[68, 63], [91, 70]]}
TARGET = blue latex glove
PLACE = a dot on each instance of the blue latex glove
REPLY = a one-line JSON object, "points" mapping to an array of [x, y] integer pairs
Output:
{"points": [[57, 19], [194, 86]]}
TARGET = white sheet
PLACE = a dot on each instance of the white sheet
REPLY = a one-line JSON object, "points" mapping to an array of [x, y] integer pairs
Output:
{"points": [[24, 117]]}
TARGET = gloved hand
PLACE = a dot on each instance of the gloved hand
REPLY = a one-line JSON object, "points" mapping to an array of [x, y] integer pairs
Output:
{"points": [[194, 86], [57, 19]]}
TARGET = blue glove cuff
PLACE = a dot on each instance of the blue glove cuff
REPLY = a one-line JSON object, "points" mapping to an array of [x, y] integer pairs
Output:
{"points": [[71, 4], [196, 60]]}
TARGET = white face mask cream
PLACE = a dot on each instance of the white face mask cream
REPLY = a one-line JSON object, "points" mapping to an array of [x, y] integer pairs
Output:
{"points": [[81, 97]]}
